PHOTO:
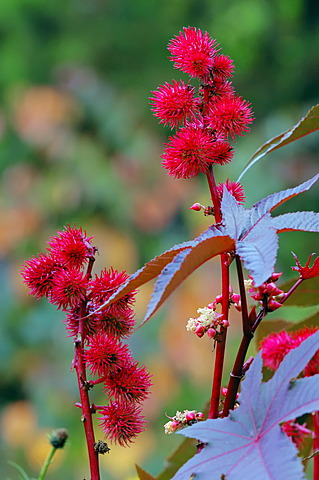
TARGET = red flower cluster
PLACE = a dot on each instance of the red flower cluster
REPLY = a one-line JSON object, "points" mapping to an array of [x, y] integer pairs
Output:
{"points": [[206, 120], [307, 271], [296, 432], [60, 277], [267, 294], [276, 346]]}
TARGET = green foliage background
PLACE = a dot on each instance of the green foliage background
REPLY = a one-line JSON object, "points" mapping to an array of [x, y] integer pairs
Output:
{"points": [[78, 144]]}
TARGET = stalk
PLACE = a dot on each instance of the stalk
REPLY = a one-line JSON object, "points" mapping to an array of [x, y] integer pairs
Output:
{"points": [[83, 390], [47, 463], [248, 334], [316, 446], [85, 405], [237, 372], [221, 344]]}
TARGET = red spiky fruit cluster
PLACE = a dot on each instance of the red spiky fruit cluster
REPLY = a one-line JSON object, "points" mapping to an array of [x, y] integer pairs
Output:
{"points": [[276, 346], [63, 276], [206, 119]]}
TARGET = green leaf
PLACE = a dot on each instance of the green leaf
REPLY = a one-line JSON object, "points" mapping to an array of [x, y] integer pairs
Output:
{"points": [[24, 475], [296, 322], [308, 124], [142, 474], [183, 453], [312, 321]]}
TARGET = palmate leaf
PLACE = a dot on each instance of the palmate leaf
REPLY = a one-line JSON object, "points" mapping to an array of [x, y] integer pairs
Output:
{"points": [[236, 218], [255, 230], [249, 443], [308, 124]]}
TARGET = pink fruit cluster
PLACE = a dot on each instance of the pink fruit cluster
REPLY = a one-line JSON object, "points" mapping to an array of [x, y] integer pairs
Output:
{"points": [[205, 119], [63, 276]]}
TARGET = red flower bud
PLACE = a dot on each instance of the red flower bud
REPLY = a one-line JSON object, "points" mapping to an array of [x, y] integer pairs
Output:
{"points": [[199, 331], [273, 305], [199, 416], [211, 332], [275, 276], [197, 207], [190, 416]]}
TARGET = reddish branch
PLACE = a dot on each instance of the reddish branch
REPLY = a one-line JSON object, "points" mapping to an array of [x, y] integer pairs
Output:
{"points": [[248, 333], [86, 407], [221, 344], [316, 446], [82, 384]]}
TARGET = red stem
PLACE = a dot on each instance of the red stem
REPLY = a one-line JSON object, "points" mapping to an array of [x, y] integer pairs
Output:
{"points": [[316, 446], [214, 195], [86, 410], [243, 300], [236, 376], [79, 365], [293, 288], [237, 372], [221, 344]]}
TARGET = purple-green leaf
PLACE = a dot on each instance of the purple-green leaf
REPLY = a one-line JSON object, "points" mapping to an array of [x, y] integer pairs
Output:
{"points": [[180, 456], [249, 443], [258, 250], [235, 216], [256, 231], [306, 221], [209, 244], [308, 124], [268, 204]]}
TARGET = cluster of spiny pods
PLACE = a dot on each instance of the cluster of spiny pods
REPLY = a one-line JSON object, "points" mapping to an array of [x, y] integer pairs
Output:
{"points": [[205, 117], [63, 276]]}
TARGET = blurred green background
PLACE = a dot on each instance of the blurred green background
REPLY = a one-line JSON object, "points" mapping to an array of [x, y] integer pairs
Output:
{"points": [[78, 144]]}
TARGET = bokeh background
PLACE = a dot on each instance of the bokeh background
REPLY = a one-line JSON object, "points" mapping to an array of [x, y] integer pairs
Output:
{"points": [[78, 144]]}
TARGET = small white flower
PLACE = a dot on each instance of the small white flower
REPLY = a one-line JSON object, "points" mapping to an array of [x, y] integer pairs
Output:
{"points": [[169, 427], [248, 284], [207, 316], [191, 325]]}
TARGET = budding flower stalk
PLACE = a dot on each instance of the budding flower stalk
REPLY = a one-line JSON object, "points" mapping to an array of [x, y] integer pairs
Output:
{"points": [[183, 419]]}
